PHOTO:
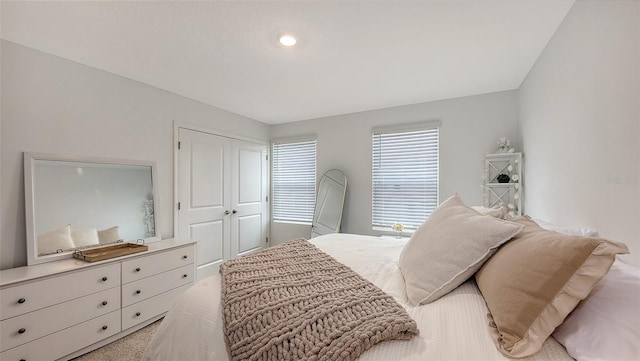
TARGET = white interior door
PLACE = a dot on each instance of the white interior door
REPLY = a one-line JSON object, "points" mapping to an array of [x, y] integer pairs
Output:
{"points": [[250, 217], [204, 179]]}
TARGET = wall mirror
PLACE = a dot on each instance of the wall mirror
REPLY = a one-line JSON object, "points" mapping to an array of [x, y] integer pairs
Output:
{"points": [[78, 202], [327, 215]]}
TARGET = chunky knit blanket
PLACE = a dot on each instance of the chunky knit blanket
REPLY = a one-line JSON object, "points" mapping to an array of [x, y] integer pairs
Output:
{"points": [[295, 302]]}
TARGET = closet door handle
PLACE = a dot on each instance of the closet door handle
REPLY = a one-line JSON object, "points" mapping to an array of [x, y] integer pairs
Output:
{"points": [[226, 213], [234, 211]]}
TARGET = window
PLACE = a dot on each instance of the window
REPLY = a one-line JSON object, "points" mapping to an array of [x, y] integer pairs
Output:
{"points": [[294, 181], [405, 176]]}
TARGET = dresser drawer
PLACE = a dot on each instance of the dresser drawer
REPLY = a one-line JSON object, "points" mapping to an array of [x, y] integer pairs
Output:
{"points": [[151, 307], [30, 326], [141, 290], [64, 342], [32, 296], [139, 268]]}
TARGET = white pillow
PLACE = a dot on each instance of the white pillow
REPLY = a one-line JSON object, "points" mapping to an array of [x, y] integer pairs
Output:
{"points": [[109, 235], [606, 325], [584, 232], [52, 241], [84, 237], [448, 248]]}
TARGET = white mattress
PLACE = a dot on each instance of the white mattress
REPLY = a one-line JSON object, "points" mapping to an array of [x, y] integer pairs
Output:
{"points": [[451, 328]]}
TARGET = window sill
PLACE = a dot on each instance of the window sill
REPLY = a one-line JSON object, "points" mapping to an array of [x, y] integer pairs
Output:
{"points": [[293, 222]]}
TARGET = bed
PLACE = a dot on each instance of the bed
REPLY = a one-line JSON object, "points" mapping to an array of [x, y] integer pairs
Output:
{"points": [[470, 284], [455, 327]]}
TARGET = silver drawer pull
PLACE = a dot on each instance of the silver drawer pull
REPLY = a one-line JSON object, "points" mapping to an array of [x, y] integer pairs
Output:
{"points": [[104, 303], [22, 330], [22, 300]]}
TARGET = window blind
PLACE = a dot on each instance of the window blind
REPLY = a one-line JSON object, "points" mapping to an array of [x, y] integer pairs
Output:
{"points": [[405, 177], [294, 181]]}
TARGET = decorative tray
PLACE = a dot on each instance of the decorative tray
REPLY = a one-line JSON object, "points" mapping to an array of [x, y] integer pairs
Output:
{"points": [[107, 252]]}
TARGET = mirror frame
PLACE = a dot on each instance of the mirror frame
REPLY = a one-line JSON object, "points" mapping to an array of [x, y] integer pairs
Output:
{"points": [[316, 209], [30, 159]]}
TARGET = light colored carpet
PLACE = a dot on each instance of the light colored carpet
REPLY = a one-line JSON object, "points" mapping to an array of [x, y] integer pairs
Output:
{"points": [[128, 348]]}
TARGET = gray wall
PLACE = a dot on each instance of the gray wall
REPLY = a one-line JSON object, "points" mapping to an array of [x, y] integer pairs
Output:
{"points": [[470, 127], [53, 105], [579, 113]]}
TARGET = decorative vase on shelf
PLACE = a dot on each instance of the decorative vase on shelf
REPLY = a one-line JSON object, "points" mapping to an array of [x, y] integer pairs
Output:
{"points": [[503, 178], [397, 229], [503, 145]]}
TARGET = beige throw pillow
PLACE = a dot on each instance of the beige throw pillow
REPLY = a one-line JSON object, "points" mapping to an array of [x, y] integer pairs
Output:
{"points": [[448, 248], [85, 237], [57, 239], [533, 282], [499, 211], [109, 235]]}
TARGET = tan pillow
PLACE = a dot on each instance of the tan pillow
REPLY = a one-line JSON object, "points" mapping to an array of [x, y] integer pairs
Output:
{"points": [[52, 241], [534, 281], [499, 211], [109, 235], [448, 248]]}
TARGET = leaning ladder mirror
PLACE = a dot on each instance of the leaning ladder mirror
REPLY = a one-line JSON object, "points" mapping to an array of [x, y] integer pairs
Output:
{"points": [[79, 202], [327, 216]]}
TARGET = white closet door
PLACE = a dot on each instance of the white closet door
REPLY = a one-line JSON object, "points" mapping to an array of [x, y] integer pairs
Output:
{"points": [[249, 221], [204, 188]]}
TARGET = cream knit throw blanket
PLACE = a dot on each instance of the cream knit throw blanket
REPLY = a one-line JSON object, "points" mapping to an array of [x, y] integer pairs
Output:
{"points": [[295, 302]]}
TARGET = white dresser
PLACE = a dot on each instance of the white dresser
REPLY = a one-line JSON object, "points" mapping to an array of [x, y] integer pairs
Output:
{"points": [[63, 309]]}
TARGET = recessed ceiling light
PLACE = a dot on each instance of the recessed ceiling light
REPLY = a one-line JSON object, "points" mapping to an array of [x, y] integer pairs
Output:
{"points": [[287, 40]]}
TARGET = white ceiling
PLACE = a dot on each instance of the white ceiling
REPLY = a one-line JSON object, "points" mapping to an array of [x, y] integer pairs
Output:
{"points": [[351, 55]]}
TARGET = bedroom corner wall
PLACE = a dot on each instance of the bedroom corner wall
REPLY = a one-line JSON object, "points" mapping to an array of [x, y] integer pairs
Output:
{"points": [[580, 122], [53, 105], [470, 127]]}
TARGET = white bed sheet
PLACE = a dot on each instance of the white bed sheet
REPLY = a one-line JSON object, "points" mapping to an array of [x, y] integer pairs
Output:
{"points": [[454, 327]]}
